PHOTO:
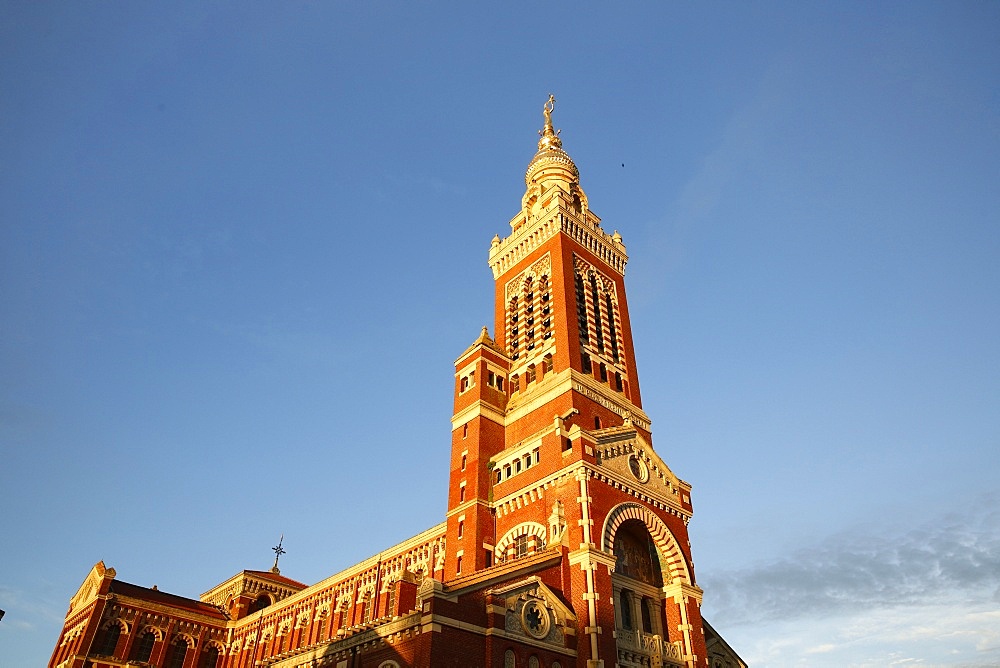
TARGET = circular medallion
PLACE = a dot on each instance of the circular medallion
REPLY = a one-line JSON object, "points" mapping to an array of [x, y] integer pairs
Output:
{"points": [[535, 619], [638, 468]]}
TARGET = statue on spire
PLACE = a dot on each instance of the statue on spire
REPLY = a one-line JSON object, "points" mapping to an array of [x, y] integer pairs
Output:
{"points": [[547, 108], [550, 138]]}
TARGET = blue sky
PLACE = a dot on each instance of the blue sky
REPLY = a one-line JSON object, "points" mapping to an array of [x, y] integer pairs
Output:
{"points": [[242, 244]]}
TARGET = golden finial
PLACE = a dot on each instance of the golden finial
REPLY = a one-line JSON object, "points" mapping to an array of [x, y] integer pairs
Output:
{"points": [[550, 137]]}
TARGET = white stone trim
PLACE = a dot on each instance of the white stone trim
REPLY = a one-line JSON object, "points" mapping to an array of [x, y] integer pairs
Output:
{"points": [[672, 560]]}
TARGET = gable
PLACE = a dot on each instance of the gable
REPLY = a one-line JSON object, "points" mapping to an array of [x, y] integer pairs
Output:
{"points": [[532, 610], [626, 454]]}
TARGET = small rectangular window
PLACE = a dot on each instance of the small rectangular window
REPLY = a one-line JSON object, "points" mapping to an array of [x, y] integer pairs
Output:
{"points": [[461, 493], [461, 529], [458, 565], [465, 459]]}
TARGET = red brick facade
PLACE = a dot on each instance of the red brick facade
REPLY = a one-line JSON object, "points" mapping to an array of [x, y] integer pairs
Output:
{"points": [[565, 542]]}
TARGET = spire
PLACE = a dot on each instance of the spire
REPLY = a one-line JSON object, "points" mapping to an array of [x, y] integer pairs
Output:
{"points": [[550, 160]]}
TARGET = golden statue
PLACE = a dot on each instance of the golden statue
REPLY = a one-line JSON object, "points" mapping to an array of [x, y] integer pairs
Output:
{"points": [[547, 108], [550, 138]]}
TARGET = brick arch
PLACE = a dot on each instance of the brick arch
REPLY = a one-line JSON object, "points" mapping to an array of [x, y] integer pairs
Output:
{"points": [[188, 640], [672, 560], [122, 624], [220, 648], [523, 529]]}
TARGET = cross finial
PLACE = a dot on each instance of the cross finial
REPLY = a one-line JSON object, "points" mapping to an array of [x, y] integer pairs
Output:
{"points": [[278, 551]]}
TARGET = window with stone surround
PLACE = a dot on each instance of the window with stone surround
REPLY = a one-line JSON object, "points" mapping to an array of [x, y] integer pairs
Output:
{"points": [[108, 640], [598, 320], [209, 658], [143, 647], [176, 653], [520, 546]]}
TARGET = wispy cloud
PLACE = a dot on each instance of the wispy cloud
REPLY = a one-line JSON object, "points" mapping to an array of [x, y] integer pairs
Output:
{"points": [[955, 557], [934, 588]]}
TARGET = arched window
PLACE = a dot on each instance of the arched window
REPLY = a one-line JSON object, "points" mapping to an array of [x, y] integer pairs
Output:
{"points": [[581, 310], [144, 646], [210, 657], [521, 546], [108, 641], [260, 603], [177, 653], [625, 601], [647, 617], [636, 554], [547, 363], [533, 661], [509, 660], [597, 313], [611, 326]]}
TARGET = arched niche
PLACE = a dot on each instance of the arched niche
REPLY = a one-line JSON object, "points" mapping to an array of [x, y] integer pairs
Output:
{"points": [[673, 566]]}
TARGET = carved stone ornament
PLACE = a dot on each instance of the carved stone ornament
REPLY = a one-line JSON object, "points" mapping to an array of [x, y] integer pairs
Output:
{"points": [[535, 619]]}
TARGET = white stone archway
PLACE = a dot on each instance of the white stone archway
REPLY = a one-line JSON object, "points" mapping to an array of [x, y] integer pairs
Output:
{"points": [[672, 562]]}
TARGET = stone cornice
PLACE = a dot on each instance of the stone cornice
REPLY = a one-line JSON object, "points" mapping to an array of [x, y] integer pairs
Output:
{"points": [[144, 606], [527, 401], [476, 409], [646, 496], [589, 387], [546, 224], [656, 501], [504, 571]]}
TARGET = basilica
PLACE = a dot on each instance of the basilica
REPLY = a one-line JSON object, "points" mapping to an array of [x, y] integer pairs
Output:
{"points": [[565, 541]]}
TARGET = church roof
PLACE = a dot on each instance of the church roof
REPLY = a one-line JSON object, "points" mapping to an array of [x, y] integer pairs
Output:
{"points": [[277, 577], [163, 598]]}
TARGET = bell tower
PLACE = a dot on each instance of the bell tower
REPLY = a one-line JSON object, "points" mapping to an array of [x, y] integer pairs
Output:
{"points": [[552, 452]]}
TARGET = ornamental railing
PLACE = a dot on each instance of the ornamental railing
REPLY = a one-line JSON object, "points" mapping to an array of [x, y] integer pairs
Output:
{"points": [[649, 649]]}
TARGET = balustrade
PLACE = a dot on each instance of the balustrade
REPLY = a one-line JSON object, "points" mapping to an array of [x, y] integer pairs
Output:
{"points": [[652, 648]]}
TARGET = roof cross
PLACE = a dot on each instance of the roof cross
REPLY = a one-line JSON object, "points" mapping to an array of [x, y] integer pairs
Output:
{"points": [[278, 551]]}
